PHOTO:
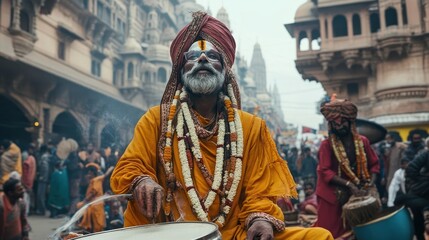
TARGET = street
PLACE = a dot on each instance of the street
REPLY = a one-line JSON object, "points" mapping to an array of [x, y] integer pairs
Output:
{"points": [[43, 226]]}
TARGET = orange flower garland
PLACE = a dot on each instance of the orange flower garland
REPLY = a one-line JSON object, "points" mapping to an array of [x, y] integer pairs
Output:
{"points": [[225, 180], [344, 163]]}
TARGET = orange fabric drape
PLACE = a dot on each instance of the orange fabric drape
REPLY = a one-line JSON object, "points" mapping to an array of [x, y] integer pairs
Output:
{"points": [[11, 155], [265, 175], [94, 218]]}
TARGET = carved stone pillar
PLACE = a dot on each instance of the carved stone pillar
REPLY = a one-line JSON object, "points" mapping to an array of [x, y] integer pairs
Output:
{"points": [[349, 26], [398, 8], [46, 124], [16, 6]]}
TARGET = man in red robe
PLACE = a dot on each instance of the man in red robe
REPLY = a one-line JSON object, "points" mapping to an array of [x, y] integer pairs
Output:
{"points": [[359, 165]]}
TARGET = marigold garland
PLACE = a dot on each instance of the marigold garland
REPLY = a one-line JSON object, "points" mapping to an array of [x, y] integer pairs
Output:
{"points": [[225, 180], [344, 163]]}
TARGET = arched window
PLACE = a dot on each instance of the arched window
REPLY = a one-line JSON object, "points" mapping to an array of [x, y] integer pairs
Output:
{"points": [[339, 24], [24, 21], [130, 71], [356, 25], [162, 75], [391, 17], [374, 20], [304, 44], [147, 76], [26, 15], [315, 39]]}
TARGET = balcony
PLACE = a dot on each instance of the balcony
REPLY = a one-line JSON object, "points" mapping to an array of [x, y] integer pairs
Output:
{"points": [[393, 41]]}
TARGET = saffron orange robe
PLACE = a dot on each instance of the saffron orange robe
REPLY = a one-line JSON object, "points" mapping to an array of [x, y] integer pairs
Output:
{"points": [[94, 219], [265, 177]]}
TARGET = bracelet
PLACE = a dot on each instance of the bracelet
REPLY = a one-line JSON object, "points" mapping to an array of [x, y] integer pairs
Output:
{"points": [[136, 181], [347, 183], [278, 225]]}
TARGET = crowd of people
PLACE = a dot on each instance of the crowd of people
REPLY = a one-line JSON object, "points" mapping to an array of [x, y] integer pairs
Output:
{"points": [[55, 180], [397, 169], [198, 157]]}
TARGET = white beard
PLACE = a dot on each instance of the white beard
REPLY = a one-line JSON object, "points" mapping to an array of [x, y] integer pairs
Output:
{"points": [[203, 84]]}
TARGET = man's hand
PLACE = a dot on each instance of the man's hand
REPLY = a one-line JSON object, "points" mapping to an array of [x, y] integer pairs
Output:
{"points": [[260, 229], [149, 195], [356, 191]]}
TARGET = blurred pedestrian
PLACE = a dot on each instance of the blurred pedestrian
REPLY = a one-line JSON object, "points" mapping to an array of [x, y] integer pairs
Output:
{"points": [[42, 179], [59, 197], [93, 219], [292, 161], [417, 184], [395, 152], [309, 205], [13, 224], [74, 173], [397, 185], [28, 175], [116, 217], [307, 167], [416, 145], [11, 160], [110, 161]]}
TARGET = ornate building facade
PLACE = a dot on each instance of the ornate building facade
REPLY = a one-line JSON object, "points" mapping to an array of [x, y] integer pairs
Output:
{"points": [[85, 69], [373, 52]]}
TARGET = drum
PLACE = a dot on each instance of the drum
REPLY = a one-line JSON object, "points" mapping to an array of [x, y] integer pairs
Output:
{"points": [[362, 209], [173, 230], [392, 224]]}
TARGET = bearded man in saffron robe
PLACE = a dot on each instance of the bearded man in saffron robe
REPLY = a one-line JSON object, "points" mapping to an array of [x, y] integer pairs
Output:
{"points": [[198, 157], [340, 149]]}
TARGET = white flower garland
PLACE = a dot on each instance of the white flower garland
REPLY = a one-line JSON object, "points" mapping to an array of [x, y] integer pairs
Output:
{"points": [[196, 205], [236, 149]]}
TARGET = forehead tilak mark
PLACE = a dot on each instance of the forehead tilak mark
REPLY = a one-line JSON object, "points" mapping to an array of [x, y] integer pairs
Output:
{"points": [[202, 44]]}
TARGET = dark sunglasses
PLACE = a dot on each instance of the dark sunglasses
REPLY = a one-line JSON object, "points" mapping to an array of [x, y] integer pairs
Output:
{"points": [[211, 55]]}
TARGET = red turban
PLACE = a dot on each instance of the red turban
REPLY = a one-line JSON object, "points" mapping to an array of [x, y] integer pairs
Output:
{"points": [[210, 29], [337, 109], [207, 28]]}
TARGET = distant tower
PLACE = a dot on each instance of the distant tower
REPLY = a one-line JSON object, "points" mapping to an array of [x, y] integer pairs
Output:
{"points": [[152, 31], [223, 16], [258, 69], [277, 104]]}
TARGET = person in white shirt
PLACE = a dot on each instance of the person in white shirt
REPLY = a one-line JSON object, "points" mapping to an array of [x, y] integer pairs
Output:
{"points": [[397, 183]]}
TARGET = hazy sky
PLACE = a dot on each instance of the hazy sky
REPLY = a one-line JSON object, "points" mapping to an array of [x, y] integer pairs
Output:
{"points": [[254, 21]]}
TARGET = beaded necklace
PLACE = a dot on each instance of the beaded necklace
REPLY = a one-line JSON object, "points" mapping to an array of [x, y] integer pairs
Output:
{"points": [[225, 180], [344, 163]]}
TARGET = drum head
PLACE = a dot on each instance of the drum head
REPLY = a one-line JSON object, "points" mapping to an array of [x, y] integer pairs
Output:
{"points": [[174, 230]]}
